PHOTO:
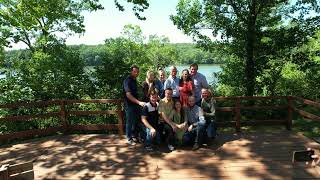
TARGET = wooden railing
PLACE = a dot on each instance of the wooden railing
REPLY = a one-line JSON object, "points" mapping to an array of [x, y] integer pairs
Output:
{"points": [[238, 108], [63, 115], [306, 102], [239, 105]]}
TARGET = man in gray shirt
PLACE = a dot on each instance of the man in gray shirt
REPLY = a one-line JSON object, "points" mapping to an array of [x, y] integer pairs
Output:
{"points": [[199, 82], [196, 124]]}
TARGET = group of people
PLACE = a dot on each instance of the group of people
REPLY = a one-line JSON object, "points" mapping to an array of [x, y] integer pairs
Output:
{"points": [[174, 110]]}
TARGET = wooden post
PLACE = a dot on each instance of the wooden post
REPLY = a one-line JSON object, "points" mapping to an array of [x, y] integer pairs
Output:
{"points": [[289, 117], [63, 116], [120, 118], [238, 115]]}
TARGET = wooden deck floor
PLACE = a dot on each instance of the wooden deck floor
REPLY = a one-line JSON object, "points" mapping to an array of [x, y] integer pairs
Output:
{"points": [[232, 156]]}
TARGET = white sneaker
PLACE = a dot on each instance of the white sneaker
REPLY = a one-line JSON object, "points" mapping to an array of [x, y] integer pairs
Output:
{"points": [[131, 142], [171, 148]]}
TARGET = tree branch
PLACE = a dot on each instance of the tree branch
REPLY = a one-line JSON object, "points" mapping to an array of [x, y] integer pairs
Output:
{"points": [[236, 10], [27, 40]]}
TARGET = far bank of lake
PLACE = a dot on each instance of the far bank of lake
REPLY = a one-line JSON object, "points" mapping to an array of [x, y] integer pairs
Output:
{"points": [[205, 69]]}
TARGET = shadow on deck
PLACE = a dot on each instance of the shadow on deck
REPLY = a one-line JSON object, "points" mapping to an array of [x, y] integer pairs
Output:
{"points": [[258, 155]]}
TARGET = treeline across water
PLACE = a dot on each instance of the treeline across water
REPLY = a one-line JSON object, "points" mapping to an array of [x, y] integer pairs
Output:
{"points": [[182, 53]]}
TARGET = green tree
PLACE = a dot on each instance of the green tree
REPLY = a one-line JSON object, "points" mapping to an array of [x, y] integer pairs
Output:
{"points": [[56, 74], [133, 33], [239, 27], [119, 54], [31, 21], [160, 53], [1, 57]]}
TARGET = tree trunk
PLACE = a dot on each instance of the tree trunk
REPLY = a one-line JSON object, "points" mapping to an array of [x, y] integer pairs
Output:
{"points": [[250, 47]]}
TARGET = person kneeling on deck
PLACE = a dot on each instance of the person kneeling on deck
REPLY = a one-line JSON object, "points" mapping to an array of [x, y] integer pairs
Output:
{"points": [[149, 118], [167, 126], [196, 122], [208, 107]]}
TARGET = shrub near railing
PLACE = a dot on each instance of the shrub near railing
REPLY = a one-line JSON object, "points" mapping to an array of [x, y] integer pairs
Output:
{"points": [[62, 115]]}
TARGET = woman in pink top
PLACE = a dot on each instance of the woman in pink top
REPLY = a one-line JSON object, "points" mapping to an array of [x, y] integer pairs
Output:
{"points": [[185, 87]]}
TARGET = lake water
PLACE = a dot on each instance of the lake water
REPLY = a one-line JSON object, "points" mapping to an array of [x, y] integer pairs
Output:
{"points": [[205, 69]]}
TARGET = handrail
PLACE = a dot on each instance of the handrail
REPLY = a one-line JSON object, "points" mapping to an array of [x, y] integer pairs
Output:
{"points": [[63, 115], [30, 104], [305, 113], [308, 102]]}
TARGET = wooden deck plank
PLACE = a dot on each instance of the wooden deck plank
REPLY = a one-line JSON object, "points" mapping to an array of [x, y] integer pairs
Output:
{"points": [[232, 156]]}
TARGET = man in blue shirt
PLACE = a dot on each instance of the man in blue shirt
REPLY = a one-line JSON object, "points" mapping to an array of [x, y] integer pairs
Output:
{"points": [[199, 82], [132, 104]]}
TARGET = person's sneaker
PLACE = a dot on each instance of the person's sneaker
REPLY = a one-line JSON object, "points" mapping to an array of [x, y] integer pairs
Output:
{"points": [[171, 148], [195, 147], [131, 142], [149, 148], [136, 140]]}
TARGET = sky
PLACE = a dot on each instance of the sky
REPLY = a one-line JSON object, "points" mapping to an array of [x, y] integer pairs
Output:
{"points": [[109, 22]]}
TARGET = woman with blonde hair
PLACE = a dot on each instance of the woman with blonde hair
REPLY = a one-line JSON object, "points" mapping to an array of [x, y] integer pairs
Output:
{"points": [[151, 83]]}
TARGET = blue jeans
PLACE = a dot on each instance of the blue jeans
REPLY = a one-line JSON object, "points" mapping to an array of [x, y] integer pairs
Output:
{"points": [[211, 129], [196, 135], [132, 120], [149, 139]]}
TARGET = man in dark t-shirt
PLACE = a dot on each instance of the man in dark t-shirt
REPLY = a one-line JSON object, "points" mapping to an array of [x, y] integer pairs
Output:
{"points": [[132, 104], [150, 118]]}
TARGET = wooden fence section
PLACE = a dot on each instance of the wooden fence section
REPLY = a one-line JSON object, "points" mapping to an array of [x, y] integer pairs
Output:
{"points": [[306, 114], [63, 115], [239, 106]]}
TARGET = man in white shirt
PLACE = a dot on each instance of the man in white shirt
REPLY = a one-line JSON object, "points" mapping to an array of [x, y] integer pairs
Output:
{"points": [[173, 83], [199, 82]]}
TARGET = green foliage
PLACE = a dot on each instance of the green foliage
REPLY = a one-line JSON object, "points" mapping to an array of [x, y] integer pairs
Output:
{"points": [[91, 54], [31, 21], [1, 57], [160, 52], [189, 53], [292, 80], [55, 75], [138, 7], [233, 73], [255, 32], [118, 56], [133, 33]]}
